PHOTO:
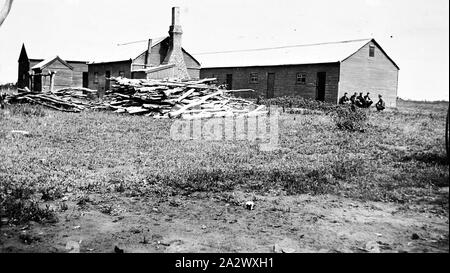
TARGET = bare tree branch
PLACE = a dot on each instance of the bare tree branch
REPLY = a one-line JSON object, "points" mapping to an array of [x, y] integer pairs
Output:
{"points": [[5, 10]]}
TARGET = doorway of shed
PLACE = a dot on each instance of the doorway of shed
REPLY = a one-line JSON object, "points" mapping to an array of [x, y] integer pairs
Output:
{"points": [[107, 81], [229, 81], [321, 85], [85, 79], [270, 85]]}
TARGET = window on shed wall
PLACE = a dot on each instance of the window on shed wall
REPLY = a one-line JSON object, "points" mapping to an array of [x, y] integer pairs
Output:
{"points": [[371, 51], [301, 78], [95, 77], [254, 78]]}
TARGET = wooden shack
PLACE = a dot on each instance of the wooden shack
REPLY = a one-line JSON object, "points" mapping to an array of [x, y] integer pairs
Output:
{"points": [[52, 74], [41, 74]]}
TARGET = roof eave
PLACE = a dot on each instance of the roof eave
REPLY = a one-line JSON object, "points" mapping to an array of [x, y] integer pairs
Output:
{"points": [[272, 65], [382, 50], [107, 62]]}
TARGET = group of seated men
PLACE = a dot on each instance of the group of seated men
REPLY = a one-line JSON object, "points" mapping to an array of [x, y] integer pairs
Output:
{"points": [[362, 101]]}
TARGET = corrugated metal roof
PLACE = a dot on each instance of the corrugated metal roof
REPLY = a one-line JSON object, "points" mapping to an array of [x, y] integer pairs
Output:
{"points": [[43, 54], [42, 63], [48, 61], [125, 52], [287, 55]]}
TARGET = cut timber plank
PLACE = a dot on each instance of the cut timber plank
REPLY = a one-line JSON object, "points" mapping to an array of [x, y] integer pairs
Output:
{"points": [[196, 103], [153, 106], [185, 95], [239, 90], [204, 81], [52, 106], [136, 110]]}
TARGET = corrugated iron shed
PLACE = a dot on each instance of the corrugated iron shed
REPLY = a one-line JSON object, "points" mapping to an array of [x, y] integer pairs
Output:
{"points": [[288, 55]]}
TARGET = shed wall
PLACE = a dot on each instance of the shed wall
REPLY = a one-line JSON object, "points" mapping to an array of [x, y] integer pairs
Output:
{"points": [[62, 78], [139, 62], [161, 74], [101, 68], [23, 79], [377, 75], [192, 66], [77, 76], [285, 79]]}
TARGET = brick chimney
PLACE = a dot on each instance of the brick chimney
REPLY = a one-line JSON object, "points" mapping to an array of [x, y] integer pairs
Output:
{"points": [[175, 53]]}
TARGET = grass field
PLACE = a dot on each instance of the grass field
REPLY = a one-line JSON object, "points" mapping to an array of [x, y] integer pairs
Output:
{"points": [[83, 162]]}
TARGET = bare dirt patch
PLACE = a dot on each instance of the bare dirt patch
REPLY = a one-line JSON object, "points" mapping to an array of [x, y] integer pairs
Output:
{"points": [[206, 223]]}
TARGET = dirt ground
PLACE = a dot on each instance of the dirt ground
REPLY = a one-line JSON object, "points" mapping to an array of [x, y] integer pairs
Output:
{"points": [[220, 223]]}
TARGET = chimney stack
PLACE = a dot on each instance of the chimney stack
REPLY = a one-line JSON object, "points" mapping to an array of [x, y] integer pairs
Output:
{"points": [[149, 52], [176, 16], [175, 53]]}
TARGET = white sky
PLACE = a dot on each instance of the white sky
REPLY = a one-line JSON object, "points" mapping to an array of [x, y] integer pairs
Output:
{"points": [[415, 33]]}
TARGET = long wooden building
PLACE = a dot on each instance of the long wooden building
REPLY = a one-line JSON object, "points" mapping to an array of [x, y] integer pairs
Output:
{"points": [[317, 71]]}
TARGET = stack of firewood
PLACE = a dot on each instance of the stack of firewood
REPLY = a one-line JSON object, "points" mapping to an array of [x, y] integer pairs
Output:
{"points": [[67, 100], [175, 99], [155, 98]]}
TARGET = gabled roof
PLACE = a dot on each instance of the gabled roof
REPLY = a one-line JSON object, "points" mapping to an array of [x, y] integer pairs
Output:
{"points": [[382, 50], [332, 52], [75, 57], [125, 52], [130, 51], [49, 61]]}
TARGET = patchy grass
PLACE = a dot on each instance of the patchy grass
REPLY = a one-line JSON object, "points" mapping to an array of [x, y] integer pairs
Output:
{"points": [[350, 119], [400, 157], [27, 110], [17, 206], [299, 102]]}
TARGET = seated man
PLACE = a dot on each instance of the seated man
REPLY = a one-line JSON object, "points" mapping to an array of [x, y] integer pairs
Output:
{"points": [[353, 98], [360, 102], [380, 104], [2, 100], [368, 100], [344, 99]]}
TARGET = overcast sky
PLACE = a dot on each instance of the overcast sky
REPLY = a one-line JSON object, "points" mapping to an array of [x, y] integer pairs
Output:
{"points": [[415, 33]]}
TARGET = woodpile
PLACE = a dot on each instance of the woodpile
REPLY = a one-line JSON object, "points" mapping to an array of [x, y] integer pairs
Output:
{"points": [[153, 98], [175, 99], [67, 100]]}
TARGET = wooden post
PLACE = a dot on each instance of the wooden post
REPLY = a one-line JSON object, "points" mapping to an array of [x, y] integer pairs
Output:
{"points": [[52, 80], [30, 81]]}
